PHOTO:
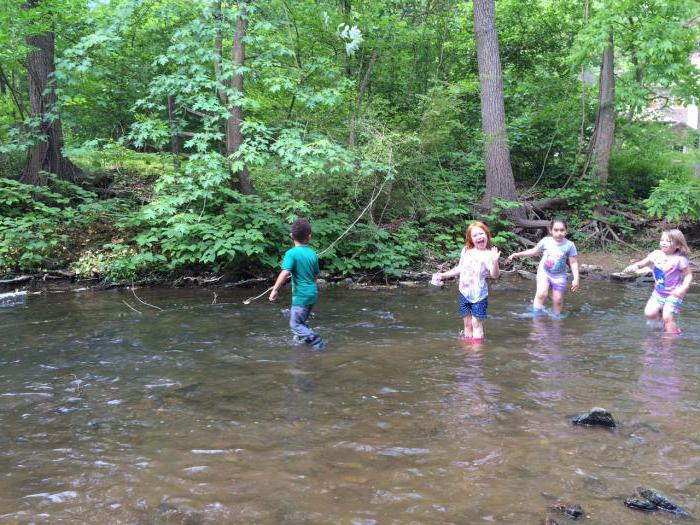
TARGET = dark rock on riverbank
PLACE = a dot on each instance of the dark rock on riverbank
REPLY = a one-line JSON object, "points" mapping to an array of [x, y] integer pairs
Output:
{"points": [[596, 417]]}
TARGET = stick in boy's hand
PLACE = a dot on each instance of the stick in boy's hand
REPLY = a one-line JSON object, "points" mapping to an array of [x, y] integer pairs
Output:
{"points": [[251, 299]]}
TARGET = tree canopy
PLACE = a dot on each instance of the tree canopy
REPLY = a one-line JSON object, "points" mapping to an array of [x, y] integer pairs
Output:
{"points": [[198, 129]]}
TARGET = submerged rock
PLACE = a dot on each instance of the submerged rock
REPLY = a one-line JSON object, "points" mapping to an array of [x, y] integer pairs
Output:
{"points": [[13, 298], [527, 275], [640, 504], [651, 500], [596, 417], [589, 268], [572, 510], [623, 276], [661, 501]]}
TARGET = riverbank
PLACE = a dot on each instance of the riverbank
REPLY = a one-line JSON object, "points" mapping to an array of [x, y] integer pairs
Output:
{"points": [[594, 265]]}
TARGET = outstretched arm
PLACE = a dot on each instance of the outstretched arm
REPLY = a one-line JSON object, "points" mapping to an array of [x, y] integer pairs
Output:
{"points": [[449, 273], [281, 278], [573, 262], [524, 253], [635, 266]]}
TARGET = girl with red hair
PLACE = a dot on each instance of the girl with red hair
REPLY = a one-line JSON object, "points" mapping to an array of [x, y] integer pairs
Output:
{"points": [[478, 261]]}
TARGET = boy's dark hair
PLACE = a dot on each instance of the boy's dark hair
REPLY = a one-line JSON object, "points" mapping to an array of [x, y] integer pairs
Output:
{"points": [[301, 230]]}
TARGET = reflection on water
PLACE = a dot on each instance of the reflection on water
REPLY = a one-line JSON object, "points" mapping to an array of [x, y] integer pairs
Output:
{"points": [[207, 413]]}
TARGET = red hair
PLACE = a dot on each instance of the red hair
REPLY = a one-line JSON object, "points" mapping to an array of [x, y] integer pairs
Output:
{"points": [[468, 239]]}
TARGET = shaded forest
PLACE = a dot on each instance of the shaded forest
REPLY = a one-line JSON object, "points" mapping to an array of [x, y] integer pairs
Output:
{"points": [[175, 137]]}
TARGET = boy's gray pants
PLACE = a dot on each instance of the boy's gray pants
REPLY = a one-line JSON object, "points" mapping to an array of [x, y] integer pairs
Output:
{"points": [[298, 318]]}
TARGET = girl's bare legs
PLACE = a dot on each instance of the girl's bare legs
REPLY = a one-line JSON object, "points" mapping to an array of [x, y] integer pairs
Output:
{"points": [[540, 294], [477, 328], [652, 311], [468, 327], [557, 301], [669, 320]]}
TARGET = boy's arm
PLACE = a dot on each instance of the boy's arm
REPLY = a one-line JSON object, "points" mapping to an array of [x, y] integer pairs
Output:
{"points": [[683, 288], [573, 262], [281, 278], [646, 262]]}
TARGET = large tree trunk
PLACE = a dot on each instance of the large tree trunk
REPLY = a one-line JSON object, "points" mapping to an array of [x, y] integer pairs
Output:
{"points": [[46, 155], [605, 129], [500, 183], [234, 135]]}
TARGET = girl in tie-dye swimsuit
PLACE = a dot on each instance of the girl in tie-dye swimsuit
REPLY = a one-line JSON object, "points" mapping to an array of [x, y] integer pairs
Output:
{"points": [[672, 277], [556, 251], [477, 261]]}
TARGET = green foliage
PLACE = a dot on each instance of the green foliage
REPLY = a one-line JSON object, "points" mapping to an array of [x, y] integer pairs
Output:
{"points": [[645, 153], [39, 225], [11, 164], [585, 196], [676, 198], [414, 172], [500, 225]]}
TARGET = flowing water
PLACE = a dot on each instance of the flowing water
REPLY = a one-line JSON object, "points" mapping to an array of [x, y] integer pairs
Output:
{"points": [[207, 413]]}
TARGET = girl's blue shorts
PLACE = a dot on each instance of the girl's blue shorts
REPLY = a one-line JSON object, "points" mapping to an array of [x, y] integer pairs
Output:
{"points": [[477, 310]]}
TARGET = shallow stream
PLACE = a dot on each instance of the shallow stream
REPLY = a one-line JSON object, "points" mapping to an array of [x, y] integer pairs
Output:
{"points": [[206, 413]]}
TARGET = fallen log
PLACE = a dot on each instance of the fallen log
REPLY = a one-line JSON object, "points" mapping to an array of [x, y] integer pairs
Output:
{"points": [[16, 280]]}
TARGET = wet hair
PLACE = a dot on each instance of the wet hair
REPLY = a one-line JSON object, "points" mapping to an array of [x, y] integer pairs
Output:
{"points": [[678, 241], [301, 230], [468, 238], [556, 220]]}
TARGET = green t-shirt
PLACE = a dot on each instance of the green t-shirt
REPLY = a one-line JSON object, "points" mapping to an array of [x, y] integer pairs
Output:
{"points": [[302, 262]]}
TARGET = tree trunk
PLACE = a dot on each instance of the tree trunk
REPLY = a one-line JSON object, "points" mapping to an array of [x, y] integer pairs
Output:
{"points": [[46, 155], [174, 137], [500, 183], [234, 135], [218, 56], [8, 86], [363, 87], [605, 129]]}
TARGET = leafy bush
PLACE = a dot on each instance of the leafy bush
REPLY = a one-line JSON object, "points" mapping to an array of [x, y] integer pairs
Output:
{"points": [[676, 198], [11, 164], [644, 155], [39, 224]]}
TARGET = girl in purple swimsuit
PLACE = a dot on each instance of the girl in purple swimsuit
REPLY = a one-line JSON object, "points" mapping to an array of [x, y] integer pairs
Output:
{"points": [[672, 277]]}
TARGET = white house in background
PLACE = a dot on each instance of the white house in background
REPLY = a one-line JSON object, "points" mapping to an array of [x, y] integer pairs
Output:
{"points": [[679, 116]]}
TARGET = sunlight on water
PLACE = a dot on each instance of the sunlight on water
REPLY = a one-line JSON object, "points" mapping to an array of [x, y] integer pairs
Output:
{"points": [[207, 413]]}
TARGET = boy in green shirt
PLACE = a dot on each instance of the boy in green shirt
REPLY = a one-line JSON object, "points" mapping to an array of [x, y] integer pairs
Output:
{"points": [[301, 262]]}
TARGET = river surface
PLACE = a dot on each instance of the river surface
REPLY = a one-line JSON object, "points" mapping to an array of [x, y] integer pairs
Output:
{"points": [[207, 413]]}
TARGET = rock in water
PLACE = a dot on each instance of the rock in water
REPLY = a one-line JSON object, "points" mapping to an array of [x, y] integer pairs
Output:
{"points": [[13, 298], [572, 510], [596, 417], [662, 502], [640, 504], [623, 276]]}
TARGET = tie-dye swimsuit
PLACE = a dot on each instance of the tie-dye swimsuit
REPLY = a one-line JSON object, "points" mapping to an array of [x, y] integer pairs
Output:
{"points": [[552, 266]]}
